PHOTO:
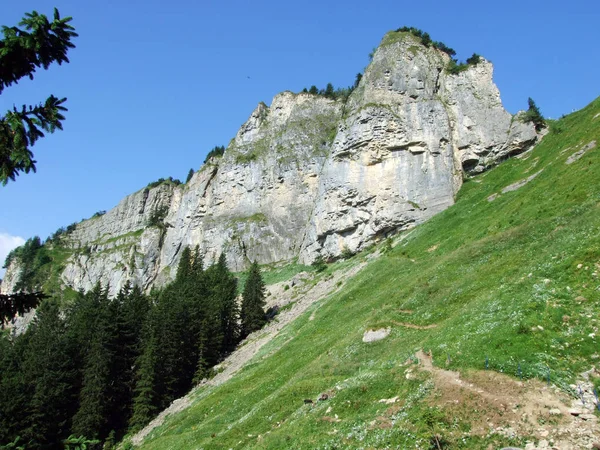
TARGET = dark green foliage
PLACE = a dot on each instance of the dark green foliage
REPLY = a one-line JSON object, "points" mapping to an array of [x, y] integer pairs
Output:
{"points": [[357, 80], [426, 40], [216, 152], [38, 44], [223, 293], [157, 217], [331, 93], [347, 253], [50, 375], [474, 59], [454, 67], [189, 176], [534, 115], [160, 181], [145, 404], [319, 264], [79, 443], [32, 256], [105, 366], [253, 302], [192, 327], [19, 303], [99, 213]]}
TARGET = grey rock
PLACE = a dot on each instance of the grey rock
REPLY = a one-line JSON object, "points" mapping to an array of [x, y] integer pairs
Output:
{"points": [[577, 155], [309, 176], [376, 335]]}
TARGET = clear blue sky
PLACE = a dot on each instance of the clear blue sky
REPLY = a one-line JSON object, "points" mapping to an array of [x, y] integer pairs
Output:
{"points": [[153, 85]]}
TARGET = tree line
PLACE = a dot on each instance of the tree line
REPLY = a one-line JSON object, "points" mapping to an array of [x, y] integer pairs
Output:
{"points": [[104, 367]]}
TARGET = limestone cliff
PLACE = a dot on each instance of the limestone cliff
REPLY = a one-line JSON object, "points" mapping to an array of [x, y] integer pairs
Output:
{"points": [[309, 176]]}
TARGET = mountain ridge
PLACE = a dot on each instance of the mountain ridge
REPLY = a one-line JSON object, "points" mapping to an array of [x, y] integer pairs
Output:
{"points": [[310, 176]]}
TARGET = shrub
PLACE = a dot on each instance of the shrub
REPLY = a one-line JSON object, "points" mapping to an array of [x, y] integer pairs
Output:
{"points": [[157, 217], [534, 116], [160, 181], [454, 67], [426, 40], [347, 253], [216, 152], [474, 59], [189, 176], [319, 264]]}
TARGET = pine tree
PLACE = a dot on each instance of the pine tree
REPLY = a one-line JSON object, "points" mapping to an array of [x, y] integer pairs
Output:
{"points": [[253, 302], [534, 116], [145, 403], [357, 80], [189, 175], [50, 374], [39, 43], [329, 91], [130, 308], [96, 398], [223, 287], [15, 392], [185, 266]]}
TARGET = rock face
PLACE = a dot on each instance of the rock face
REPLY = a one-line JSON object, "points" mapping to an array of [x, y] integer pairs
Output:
{"points": [[312, 176]]}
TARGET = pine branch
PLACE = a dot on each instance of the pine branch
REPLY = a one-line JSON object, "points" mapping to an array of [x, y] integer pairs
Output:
{"points": [[20, 129], [38, 44]]}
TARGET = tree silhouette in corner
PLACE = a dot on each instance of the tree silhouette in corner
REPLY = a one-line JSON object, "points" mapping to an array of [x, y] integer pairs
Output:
{"points": [[37, 44]]}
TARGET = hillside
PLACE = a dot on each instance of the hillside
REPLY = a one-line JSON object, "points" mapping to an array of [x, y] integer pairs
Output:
{"points": [[492, 311]]}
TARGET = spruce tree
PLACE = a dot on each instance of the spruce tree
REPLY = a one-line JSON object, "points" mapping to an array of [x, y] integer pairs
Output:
{"points": [[15, 392], [96, 398], [223, 287], [189, 175], [145, 402], [534, 115], [253, 302], [38, 44], [50, 374]]}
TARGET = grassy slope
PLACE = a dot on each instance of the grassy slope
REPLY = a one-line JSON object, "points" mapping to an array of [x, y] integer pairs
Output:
{"points": [[484, 272]]}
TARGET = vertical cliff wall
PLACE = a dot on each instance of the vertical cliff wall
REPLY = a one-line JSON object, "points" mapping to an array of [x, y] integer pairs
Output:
{"points": [[309, 176]]}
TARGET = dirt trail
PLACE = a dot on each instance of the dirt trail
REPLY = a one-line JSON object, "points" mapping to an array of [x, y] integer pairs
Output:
{"points": [[305, 293], [498, 404], [413, 326]]}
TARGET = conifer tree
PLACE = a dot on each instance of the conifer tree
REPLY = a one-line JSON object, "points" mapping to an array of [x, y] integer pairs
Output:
{"points": [[96, 398], [329, 91], [15, 393], [145, 400], [253, 302], [185, 266], [534, 115], [50, 374], [38, 44], [189, 175], [223, 286]]}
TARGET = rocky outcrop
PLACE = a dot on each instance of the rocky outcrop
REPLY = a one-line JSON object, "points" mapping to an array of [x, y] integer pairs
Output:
{"points": [[309, 176]]}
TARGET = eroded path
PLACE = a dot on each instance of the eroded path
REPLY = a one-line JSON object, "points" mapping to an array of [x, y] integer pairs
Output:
{"points": [[305, 295], [496, 403]]}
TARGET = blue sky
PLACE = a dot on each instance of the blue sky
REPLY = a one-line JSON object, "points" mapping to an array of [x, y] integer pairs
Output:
{"points": [[153, 85]]}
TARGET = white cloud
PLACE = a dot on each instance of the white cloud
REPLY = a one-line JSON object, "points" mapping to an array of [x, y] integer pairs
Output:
{"points": [[7, 243]]}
